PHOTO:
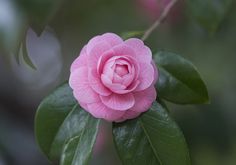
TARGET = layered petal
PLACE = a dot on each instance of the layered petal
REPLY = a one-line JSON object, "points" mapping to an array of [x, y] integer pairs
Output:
{"points": [[96, 83], [109, 84], [128, 89], [144, 99], [146, 76], [128, 115], [119, 102], [124, 50], [142, 52], [95, 52], [114, 79], [155, 73], [99, 110], [83, 105], [98, 45], [80, 61], [110, 38], [81, 88], [103, 59]]}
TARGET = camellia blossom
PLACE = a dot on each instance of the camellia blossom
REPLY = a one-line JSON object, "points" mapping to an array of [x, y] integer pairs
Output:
{"points": [[152, 8], [114, 79]]}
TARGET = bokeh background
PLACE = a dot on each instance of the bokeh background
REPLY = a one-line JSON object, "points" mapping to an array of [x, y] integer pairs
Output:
{"points": [[54, 31]]}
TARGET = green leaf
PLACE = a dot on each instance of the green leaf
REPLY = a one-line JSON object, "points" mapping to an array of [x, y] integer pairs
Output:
{"points": [[209, 13], [179, 80], [63, 129], [69, 150], [78, 127], [40, 12], [152, 139], [130, 34], [78, 150]]}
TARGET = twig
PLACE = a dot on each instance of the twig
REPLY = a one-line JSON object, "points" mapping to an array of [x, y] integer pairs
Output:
{"points": [[159, 20]]}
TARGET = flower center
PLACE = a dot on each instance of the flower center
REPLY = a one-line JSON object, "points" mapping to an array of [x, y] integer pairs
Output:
{"points": [[121, 70]]}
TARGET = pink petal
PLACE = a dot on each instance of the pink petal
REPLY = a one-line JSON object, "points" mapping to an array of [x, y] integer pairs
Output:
{"points": [[144, 99], [109, 84], [143, 53], [96, 52], [112, 39], [96, 84], [146, 76], [107, 68], [94, 41], [127, 79], [99, 110], [83, 105], [80, 61], [81, 88], [155, 73], [128, 115], [124, 50], [127, 90], [103, 59], [119, 102], [100, 44]]}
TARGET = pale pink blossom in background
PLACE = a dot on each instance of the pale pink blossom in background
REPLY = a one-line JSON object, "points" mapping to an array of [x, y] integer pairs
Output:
{"points": [[114, 79], [101, 139], [152, 9]]}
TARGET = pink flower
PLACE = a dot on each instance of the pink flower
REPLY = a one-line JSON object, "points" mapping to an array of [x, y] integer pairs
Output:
{"points": [[152, 8], [114, 79]]}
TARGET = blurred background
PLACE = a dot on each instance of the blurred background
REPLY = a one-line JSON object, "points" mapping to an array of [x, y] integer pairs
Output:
{"points": [[49, 34]]}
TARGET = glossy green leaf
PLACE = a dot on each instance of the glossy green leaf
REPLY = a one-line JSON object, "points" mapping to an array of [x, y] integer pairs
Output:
{"points": [[84, 147], [179, 80], [40, 12], [209, 13], [152, 139], [130, 34], [78, 148], [63, 128], [69, 150]]}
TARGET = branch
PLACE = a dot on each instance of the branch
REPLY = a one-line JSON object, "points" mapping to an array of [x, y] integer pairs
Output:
{"points": [[159, 20]]}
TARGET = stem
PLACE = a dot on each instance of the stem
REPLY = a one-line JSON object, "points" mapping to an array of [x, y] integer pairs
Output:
{"points": [[159, 20]]}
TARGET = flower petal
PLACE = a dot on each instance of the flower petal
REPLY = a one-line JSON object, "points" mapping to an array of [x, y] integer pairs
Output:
{"points": [[119, 102], [99, 110], [128, 115], [95, 52], [146, 76], [96, 83], [109, 84], [103, 59], [131, 88], [124, 50], [143, 53], [144, 99], [155, 73], [81, 88], [112, 39], [80, 61], [83, 105]]}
